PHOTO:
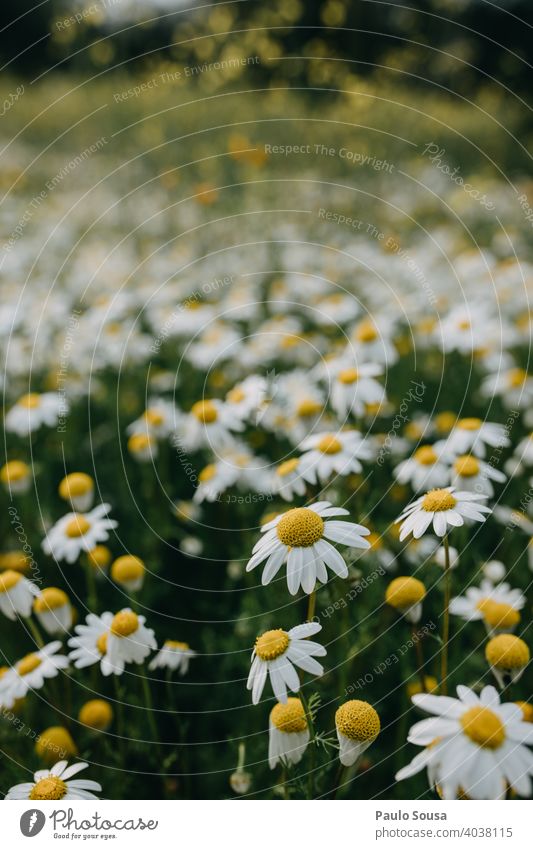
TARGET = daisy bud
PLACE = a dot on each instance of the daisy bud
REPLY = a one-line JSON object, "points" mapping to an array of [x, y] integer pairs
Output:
{"points": [[16, 477], [240, 782], [507, 656], [494, 571], [128, 571], [191, 546], [53, 610], [406, 594], [440, 557], [99, 558], [78, 489], [430, 682], [357, 725], [55, 743], [288, 733], [142, 447], [96, 714], [527, 710], [15, 560]]}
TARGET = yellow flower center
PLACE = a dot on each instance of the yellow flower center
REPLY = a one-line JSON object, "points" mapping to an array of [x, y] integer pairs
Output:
{"points": [[127, 568], [30, 401], [99, 556], [8, 580], [154, 417], [469, 424], [16, 470], [50, 599], [235, 396], [78, 483], [28, 664], [101, 643], [176, 644], [287, 467], [272, 644], [139, 442], [289, 718], [527, 710], [348, 375], [375, 541], [366, 332], [464, 325], [300, 528], [425, 455], [497, 614], [517, 377], [507, 652], [308, 407], [78, 526], [483, 727], [358, 721], [55, 744], [49, 788], [329, 445], [466, 466], [437, 500], [205, 412], [444, 422], [97, 714], [124, 623], [207, 473], [404, 592]]}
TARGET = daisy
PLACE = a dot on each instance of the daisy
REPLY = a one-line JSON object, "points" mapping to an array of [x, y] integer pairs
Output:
{"points": [[357, 724], [128, 641], [30, 673], [288, 733], [246, 397], [53, 610], [424, 470], [339, 453], [90, 643], [16, 594], [158, 420], [15, 477], [339, 308], [471, 436], [473, 475], [34, 410], [77, 532], [498, 606], [507, 657], [523, 451], [96, 714], [299, 538], [55, 784], [217, 343], [353, 389], [372, 343], [288, 479], [441, 507], [406, 595], [78, 489], [208, 424], [175, 656], [514, 386], [143, 447], [55, 742], [494, 571], [129, 572], [277, 652], [473, 746]]}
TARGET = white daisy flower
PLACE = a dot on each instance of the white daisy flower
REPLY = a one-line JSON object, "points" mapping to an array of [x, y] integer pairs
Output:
{"points": [[159, 419], [247, 396], [30, 673], [471, 436], [299, 538], [352, 389], [90, 643], [34, 410], [507, 656], [55, 784], [357, 724], [494, 571], [143, 447], [78, 489], [77, 532], [373, 343], [514, 386], [473, 746], [217, 343], [208, 424], [339, 308], [442, 508], [498, 607], [524, 450], [175, 656], [513, 518], [16, 477], [129, 572], [16, 594], [426, 469], [128, 641], [473, 475], [327, 454], [288, 479], [288, 733], [277, 652], [53, 610]]}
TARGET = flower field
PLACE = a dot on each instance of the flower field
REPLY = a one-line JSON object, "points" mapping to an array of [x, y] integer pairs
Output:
{"points": [[266, 475]]}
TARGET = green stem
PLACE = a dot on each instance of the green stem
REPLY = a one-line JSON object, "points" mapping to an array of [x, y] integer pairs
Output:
{"points": [[34, 632], [338, 781], [419, 658], [311, 605], [149, 706], [120, 720], [446, 619], [91, 588], [311, 726]]}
